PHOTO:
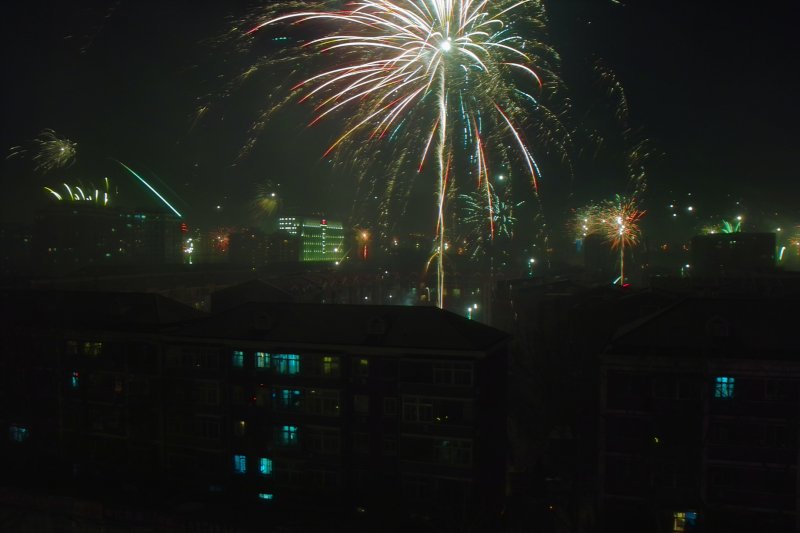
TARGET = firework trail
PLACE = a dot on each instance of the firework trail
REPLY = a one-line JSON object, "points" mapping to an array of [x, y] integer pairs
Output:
{"points": [[453, 83], [50, 151]]}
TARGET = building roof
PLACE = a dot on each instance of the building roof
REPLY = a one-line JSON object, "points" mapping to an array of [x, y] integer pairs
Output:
{"points": [[250, 291], [402, 327], [93, 309], [740, 327]]}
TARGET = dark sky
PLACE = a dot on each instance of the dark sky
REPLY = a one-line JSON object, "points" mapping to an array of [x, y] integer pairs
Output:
{"points": [[713, 85]]}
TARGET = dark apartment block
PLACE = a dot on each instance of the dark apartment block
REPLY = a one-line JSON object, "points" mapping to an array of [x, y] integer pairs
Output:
{"points": [[303, 415], [699, 420]]}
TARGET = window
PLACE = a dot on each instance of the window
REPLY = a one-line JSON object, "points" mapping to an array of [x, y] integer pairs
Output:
{"points": [[286, 363], [361, 368], [361, 442], [330, 366], [288, 399], [287, 435], [361, 404], [237, 359], [209, 428], [322, 440], [18, 433], [445, 373], [417, 409], [683, 521], [264, 466], [92, 349], [265, 496], [75, 380], [390, 406], [390, 445], [723, 387], [240, 464], [71, 348], [262, 360], [239, 428], [454, 452], [322, 402]]}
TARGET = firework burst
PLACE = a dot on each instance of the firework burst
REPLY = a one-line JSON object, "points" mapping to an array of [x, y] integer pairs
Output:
{"points": [[50, 151], [457, 83], [488, 218]]}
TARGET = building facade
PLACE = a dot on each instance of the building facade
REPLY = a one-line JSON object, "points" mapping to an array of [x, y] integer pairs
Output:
{"points": [[349, 415], [698, 425]]}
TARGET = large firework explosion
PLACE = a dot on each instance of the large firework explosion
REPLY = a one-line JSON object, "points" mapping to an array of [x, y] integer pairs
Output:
{"points": [[451, 84]]}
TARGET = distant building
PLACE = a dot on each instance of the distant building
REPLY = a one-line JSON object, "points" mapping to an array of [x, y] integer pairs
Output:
{"points": [[698, 422], [321, 240], [67, 237], [372, 418], [728, 255], [247, 248]]}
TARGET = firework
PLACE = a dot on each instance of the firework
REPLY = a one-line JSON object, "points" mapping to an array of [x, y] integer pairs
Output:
{"points": [[488, 217], [96, 196], [50, 151], [619, 221], [266, 201], [150, 188], [458, 82]]}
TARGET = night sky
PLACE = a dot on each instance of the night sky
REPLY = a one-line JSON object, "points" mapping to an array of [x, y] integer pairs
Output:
{"points": [[712, 85]]}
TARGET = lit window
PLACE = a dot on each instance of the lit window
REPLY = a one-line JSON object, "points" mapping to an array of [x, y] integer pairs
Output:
{"points": [[92, 349], [683, 521], [264, 466], [75, 380], [265, 496], [240, 464], [361, 368], [286, 363], [240, 427], [330, 366], [18, 433], [288, 435], [288, 399], [237, 359], [723, 387], [262, 360]]}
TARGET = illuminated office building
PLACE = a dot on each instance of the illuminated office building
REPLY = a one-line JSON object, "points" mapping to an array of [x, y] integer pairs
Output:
{"points": [[320, 239]]}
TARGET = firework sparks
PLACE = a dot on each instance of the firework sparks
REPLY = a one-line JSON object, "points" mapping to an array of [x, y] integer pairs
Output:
{"points": [[50, 151], [94, 195], [458, 81], [620, 219], [488, 217], [617, 220]]}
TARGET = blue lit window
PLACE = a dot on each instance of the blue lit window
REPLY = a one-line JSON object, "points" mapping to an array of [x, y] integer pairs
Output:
{"points": [[286, 363], [262, 360], [75, 380], [238, 359], [288, 399], [18, 433], [264, 466], [288, 435], [265, 496], [240, 464], [723, 387]]}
